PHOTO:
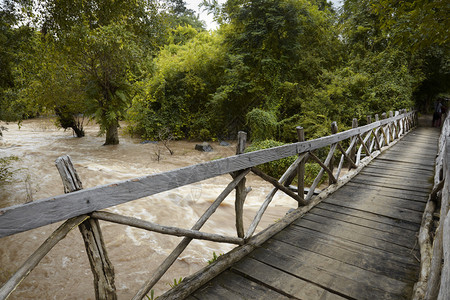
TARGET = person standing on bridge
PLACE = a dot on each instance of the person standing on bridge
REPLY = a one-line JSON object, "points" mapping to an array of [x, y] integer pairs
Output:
{"points": [[438, 109]]}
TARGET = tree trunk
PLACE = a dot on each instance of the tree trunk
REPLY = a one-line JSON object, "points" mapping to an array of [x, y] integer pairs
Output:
{"points": [[79, 132], [112, 134]]}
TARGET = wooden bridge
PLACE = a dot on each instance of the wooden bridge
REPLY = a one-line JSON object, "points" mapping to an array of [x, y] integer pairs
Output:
{"points": [[375, 233]]}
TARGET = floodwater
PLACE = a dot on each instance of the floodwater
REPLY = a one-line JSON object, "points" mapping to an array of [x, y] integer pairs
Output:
{"points": [[65, 273]]}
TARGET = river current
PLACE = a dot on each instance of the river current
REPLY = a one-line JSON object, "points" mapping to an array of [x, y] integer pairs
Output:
{"points": [[65, 273]]}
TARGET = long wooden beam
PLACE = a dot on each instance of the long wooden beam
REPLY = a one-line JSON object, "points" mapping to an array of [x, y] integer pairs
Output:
{"points": [[17, 218], [142, 224]]}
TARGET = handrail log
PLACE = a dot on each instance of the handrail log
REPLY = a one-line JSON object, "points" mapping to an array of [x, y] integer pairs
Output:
{"points": [[176, 231], [16, 219]]}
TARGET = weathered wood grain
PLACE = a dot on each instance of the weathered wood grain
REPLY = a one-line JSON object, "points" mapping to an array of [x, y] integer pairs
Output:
{"points": [[356, 234], [350, 252], [444, 292], [321, 263], [101, 267], [282, 281], [372, 224], [284, 179], [334, 282], [278, 185], [364, 215], [390, 191], [246, 288], [321, 172], [367, 198], [241, 191], [138, 223]]}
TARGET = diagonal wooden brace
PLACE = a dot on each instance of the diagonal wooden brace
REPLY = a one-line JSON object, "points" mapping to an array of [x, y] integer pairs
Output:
{"points": [[328, 170]]}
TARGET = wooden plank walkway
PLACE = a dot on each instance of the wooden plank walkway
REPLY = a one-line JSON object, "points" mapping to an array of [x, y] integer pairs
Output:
{"points": [[359, 243]]}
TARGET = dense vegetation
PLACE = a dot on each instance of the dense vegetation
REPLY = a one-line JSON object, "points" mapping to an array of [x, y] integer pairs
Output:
{"points": [[270, 66]]}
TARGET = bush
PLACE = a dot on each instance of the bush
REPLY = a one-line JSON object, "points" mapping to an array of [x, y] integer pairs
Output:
{"points": [[311, 171], [263, 124], [204, 134]]}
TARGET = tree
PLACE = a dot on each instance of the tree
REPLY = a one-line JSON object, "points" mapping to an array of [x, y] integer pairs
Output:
{"points": [[104, 41], [276, 51], [15, 42], [176, 95], [415, 24], [180, 15], [407, 41]]}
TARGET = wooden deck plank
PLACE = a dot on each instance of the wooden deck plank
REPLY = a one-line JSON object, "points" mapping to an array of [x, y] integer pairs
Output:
{"points": [[379, 226], [335, 267], [395, 174], [387, 165], [382, 182], [372, 198], [365, 229], [400, 214], [334, 282], [352, 253], [245, 288], [282, 281], [354, 233], [389, 191], [404, 160], [364, 215]]}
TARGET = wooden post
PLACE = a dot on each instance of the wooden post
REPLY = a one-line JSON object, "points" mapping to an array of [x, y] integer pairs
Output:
{"points": [[377, 118], [241, 192], [101, 266], [390, 127], [369, 119], [334, 130], [383, 116], [301, 167], [353, 150]]}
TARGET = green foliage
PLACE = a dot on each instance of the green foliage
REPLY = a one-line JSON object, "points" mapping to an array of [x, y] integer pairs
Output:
{"points": [[311, 172], [177, 95], [414, 24], [204, 134], [180, 16], [276, 51], [263, 124], [214, 258], [176, 282], [88, 57], [274, 168], [273, 64], [152, 295]]}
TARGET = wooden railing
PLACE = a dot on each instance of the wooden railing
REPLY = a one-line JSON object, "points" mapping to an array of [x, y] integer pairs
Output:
{"points": [[434, 281], [81, 207]]}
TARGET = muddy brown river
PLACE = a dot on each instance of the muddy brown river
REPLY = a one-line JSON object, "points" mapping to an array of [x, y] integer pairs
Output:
{"points": [[65, 273]]}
